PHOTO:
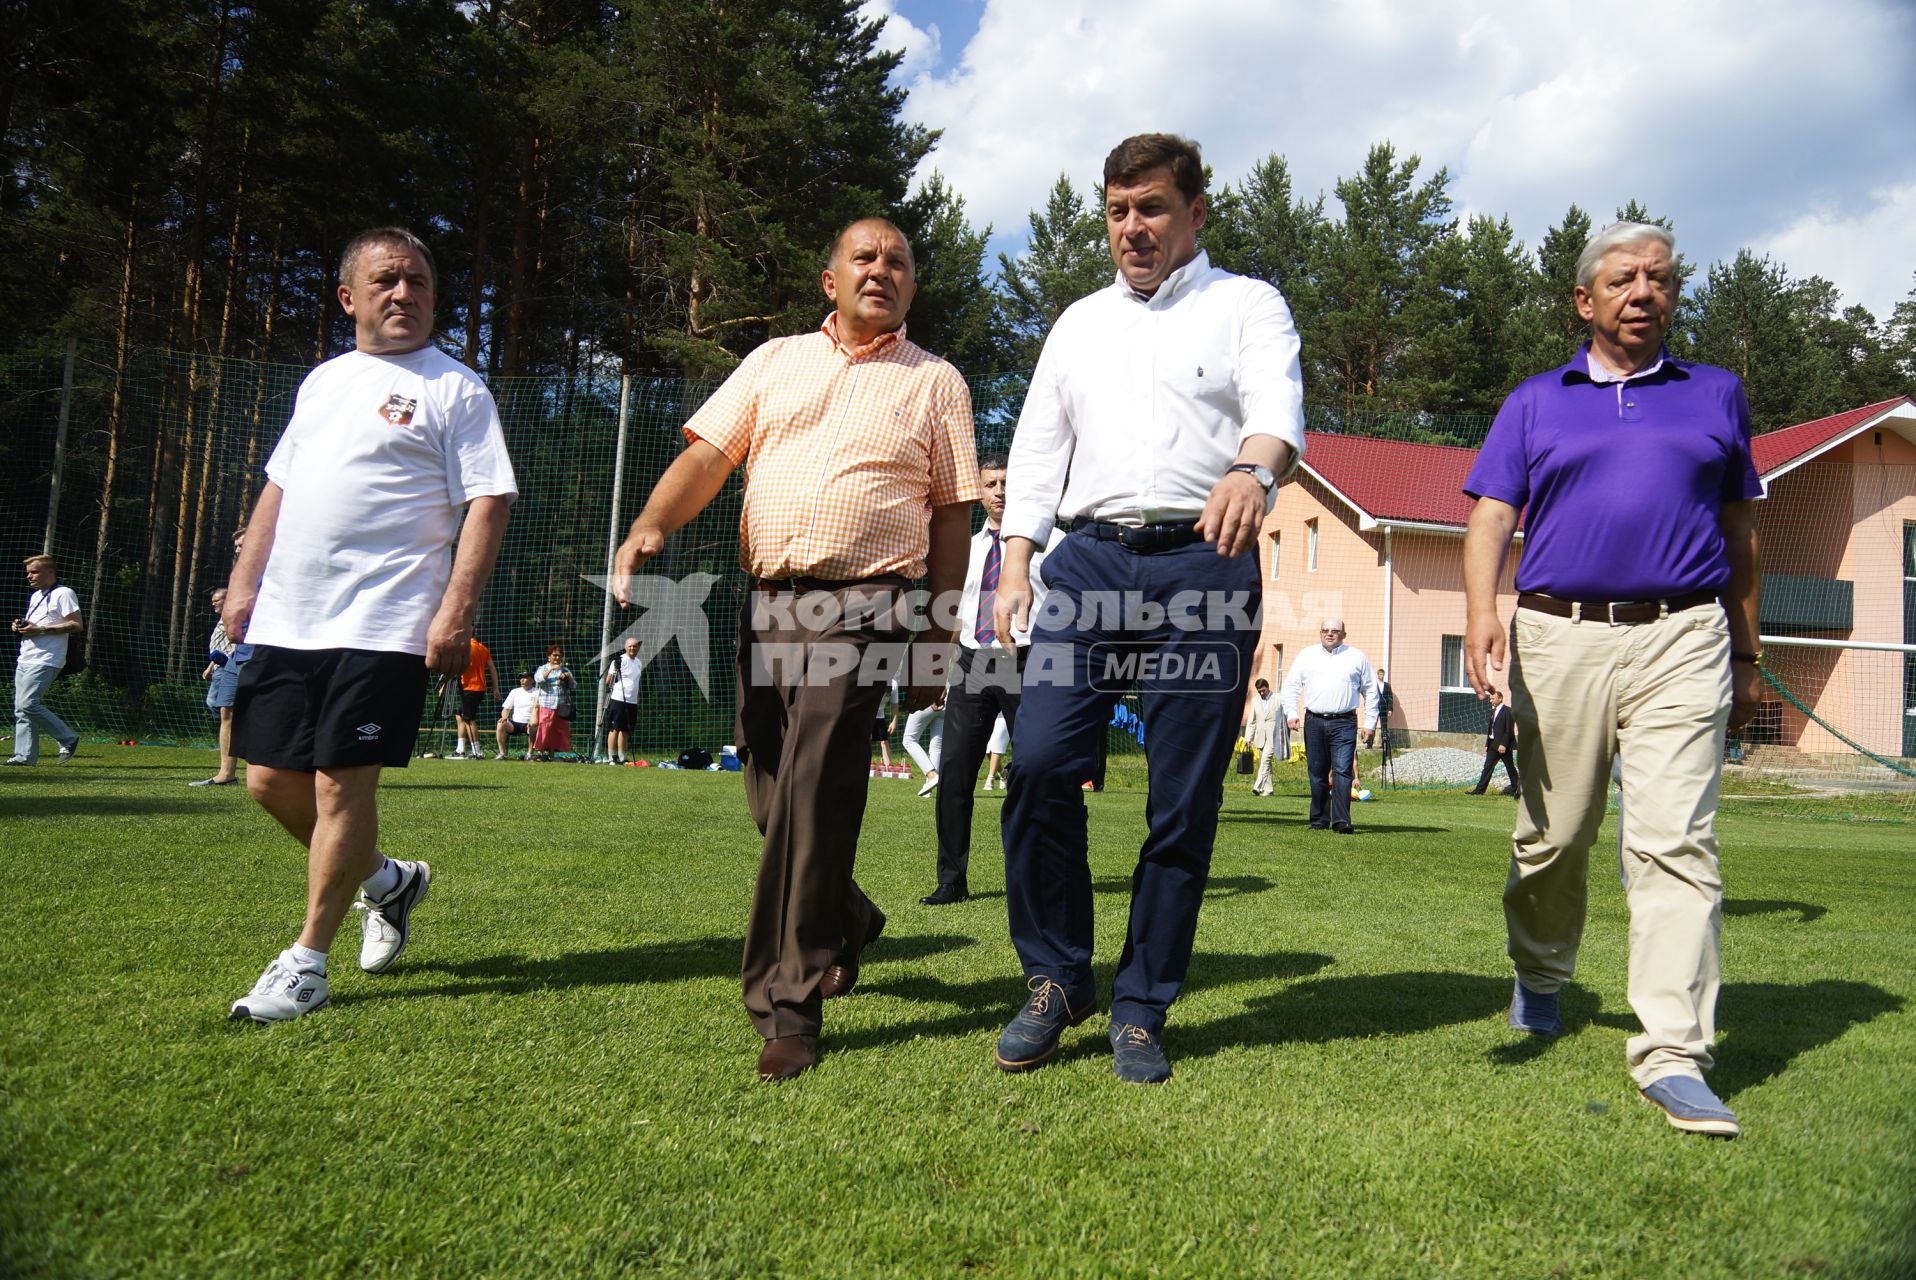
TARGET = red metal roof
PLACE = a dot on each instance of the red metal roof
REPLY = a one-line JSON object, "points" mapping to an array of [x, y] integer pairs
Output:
{"points": [[1774, 448], [1423, 483], [1394, 479]]}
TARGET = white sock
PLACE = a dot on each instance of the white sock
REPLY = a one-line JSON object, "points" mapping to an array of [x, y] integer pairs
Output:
{"points": [[306, 958], [380, 884]]}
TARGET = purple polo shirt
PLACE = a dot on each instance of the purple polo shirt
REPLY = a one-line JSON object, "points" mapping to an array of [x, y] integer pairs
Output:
{"points": [[1623, 481]]}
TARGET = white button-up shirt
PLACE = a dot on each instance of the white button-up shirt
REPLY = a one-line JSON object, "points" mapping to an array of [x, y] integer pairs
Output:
{"points": [[1331, 682], [974, 575], [1143, 402]]}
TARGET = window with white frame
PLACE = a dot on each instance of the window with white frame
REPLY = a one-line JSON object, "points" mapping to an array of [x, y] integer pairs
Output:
{"points": [[1310, 545], [1450, 670], [1277, 551]]}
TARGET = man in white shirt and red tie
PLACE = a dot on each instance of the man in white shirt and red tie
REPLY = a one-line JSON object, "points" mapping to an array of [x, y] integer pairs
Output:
{"points": [[984, 686], [1162, 412], [1327, 684]]}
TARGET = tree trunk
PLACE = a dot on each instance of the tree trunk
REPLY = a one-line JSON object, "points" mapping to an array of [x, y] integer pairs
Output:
{"points": [[481, 224], [122, 322]]}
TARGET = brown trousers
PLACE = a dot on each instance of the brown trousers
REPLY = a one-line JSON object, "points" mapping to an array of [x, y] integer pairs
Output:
{"points": [[813, 667]]}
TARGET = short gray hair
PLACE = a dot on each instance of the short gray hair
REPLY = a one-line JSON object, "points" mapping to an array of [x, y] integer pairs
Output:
{"points": [[1615, 236], [389, 236]]}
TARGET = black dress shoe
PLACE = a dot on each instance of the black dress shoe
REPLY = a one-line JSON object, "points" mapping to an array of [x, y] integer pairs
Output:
{"points": [[1342, 828], [786, 1056], [944, 897]]}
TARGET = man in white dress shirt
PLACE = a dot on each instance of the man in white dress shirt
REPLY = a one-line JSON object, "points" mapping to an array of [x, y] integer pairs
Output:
{"points": [[1325, 687], [1160, 416], [984, 686]]}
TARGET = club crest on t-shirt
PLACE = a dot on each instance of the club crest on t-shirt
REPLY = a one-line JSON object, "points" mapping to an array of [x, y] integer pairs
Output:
{"points": [[398, 409]]}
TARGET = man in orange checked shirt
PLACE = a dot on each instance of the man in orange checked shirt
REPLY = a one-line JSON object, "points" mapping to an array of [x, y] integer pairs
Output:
{"points": [[860, 474], [480, 678]]}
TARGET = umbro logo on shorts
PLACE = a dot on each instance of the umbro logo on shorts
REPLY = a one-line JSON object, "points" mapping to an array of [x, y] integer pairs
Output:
{"points": [[368, 732]]}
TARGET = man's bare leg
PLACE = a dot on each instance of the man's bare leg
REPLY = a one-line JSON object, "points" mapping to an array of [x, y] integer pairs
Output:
{"points": [[228, 766], [333, 813]]}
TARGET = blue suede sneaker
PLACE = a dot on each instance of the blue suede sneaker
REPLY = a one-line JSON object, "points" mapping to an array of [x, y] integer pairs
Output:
{"points": [[1137, 1055], [1534, 1012], [1689, 1105], [1032, 1037]]}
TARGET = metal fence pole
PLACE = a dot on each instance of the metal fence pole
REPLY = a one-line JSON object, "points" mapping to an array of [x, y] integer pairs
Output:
{"points": [[612, 541], [60, 448]]}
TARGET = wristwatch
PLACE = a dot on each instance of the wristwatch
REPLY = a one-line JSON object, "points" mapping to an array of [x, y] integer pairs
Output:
{"points": [[1262, 475], [1754, 659]]}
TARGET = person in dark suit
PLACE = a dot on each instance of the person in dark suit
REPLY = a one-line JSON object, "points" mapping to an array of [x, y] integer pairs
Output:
{"points": [[1500, 746]]}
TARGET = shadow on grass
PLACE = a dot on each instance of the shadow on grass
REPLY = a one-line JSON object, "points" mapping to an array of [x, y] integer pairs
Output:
{"points": [[1325, 1009], [1215, 887], [1804, 911], [1768, 1024], [693, 959], [86, 805], [971, 1008]]}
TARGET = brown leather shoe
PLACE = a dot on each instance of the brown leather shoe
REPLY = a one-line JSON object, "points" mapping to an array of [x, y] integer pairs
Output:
{"points": [[786, 1056], [842, 974]]}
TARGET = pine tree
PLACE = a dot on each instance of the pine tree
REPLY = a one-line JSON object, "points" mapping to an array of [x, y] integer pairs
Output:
{"points": [[1068, 256]]}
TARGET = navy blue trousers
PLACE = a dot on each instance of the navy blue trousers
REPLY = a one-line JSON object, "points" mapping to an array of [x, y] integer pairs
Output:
{"points": [[1330, 747], [1191, 659]]}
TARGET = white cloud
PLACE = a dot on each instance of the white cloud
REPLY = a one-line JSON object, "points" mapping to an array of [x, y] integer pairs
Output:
{"points": [[1866, 246], [920, 45], [1749, 122]]}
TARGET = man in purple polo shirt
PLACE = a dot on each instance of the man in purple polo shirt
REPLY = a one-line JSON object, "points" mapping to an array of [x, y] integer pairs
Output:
{"points": [[1635, 632]]}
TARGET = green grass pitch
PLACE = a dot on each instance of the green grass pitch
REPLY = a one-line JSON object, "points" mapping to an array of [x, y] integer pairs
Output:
{"points": [[556, 1079]]}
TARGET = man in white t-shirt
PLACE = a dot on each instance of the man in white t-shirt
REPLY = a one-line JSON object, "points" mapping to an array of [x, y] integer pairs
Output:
{"points": [[622, 708], [517, 713], [53, 614], [347, 593]]}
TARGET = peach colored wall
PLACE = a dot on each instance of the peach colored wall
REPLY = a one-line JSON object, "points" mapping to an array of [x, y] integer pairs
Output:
{"points": [[1863, 694], [1427, 595]]}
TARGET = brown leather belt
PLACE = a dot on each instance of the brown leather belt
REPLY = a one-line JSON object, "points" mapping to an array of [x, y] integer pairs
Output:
{"points": [[1613, 610], [804, 586]]}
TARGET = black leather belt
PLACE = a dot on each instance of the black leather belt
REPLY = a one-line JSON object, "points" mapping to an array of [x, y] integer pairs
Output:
{"points": [[1613, 610], [801, 586], [1167, 536], [1334, 715]]}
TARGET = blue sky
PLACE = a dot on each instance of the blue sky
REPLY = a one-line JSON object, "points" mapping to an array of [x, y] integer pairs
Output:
{"points": [[1786, 128]]}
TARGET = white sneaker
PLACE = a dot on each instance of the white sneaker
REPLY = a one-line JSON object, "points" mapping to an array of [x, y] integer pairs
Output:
{"points": [[386, 925], [281, 994], [931, 785]]}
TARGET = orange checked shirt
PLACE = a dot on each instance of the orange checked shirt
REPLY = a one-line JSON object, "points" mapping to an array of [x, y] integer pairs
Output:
{"points": [[845, 453]]}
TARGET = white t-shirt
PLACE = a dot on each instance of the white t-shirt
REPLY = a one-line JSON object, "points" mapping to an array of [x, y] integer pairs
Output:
{"points": [[377, 464], [45, 608], [625, 684], [519, 706]]}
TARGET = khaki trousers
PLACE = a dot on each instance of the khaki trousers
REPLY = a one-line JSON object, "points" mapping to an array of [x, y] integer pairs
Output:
{"points": [[807, 699], [1658, 693], [1265, 784]]}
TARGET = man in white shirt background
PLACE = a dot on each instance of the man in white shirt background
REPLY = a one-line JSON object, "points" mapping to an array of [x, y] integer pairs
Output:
{"points": [[1162, 410], [52, 616], [347, 593], [984, 684], [622, 707], [517, 713], [1326, 686]]}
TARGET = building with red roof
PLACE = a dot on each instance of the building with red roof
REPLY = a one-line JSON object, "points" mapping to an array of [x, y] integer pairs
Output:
{"points": [[1371, 531]]}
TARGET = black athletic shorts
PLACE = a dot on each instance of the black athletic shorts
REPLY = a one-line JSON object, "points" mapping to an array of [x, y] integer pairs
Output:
{"points": [[514, 728], [308, 709], [620, 716], [469, 703], [881, 730]]}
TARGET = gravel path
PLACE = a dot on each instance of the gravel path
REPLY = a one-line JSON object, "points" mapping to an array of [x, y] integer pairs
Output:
{"points": [[1437, 766]]}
